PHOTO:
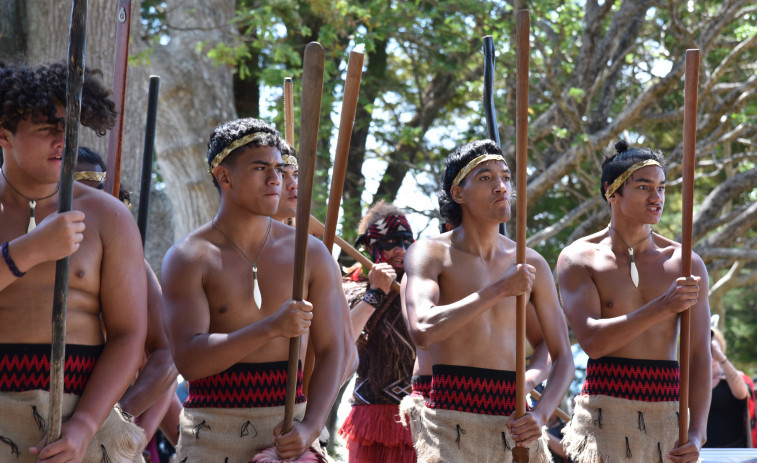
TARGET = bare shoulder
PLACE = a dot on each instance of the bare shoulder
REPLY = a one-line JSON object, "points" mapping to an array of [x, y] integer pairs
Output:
{"points": [[193, 250], [431, 247], [581, 252], [111, 213]]}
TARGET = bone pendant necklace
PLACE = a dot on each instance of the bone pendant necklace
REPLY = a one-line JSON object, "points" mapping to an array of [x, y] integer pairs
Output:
{"points": [[634, 270], [32, 202], [257, 296]]}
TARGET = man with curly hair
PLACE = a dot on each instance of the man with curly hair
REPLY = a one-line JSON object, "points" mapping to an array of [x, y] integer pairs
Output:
{"points": [[229, 318], [460, 301], [622, 292], [385, 371], [106, 285]]}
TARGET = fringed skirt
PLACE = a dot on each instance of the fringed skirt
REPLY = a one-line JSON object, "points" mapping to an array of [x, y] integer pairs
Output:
{"points": [[24, 422], [374, 434]]}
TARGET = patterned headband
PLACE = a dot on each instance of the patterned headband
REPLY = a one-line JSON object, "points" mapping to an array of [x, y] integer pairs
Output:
{"points": [[624, 176], [234, 145], [290, 160], [389, 225], [475, 162], [89, 175]]}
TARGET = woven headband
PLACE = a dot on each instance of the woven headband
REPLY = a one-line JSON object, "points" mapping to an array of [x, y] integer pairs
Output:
{"points": [[624, 176], [89, 175], [234, 145], [475, 162], [289, 160]]}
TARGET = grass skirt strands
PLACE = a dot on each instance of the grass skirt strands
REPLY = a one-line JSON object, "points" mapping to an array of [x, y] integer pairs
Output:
{"points": [[23, 423], [232, 435], [410, 414], [374, 434], [613, 430], [448, 436]]}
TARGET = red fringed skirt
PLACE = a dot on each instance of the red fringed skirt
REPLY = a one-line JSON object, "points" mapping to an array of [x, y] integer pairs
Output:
{"points": [[374, 434]]}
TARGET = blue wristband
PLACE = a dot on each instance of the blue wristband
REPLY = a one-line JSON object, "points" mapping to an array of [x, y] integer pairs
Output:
{"points": [[11, 265]]}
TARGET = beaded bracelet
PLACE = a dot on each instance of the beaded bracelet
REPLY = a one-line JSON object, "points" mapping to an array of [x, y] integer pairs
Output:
{"points": [[11, 265], [375, 297]]}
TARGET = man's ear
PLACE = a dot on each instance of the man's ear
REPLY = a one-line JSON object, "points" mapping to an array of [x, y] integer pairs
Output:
{"points": [[223, 176], [5, 138], [456, 192]]}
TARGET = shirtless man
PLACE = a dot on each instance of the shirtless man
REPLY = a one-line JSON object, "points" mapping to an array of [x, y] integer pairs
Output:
{"points": [[622, 293], [106, 286], [460, 300], [232, 342]]}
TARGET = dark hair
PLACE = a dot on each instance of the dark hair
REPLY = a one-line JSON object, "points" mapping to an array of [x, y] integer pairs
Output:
{"points": [[34, 93], [615, 164], [287, 149], [228, 132], [449, 210], [91, 156]]}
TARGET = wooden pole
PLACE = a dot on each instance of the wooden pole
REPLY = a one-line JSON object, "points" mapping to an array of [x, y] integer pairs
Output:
{"points": [[74, 84], [349, 107], [310, 115], [520, 454], [317, 227], [149, 150], [289, 111], [687, 207], [116, 135]]}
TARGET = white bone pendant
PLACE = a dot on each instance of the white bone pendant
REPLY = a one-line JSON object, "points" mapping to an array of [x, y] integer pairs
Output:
{"points": [[634, 270], [256, 289], [32, 222]]}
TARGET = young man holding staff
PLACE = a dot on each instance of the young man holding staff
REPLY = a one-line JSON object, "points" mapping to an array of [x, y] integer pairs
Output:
{"points": [[622, 293], [226, 289], [460, 298]]}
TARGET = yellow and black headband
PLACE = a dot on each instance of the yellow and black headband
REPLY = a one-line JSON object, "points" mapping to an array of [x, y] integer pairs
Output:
{"points": [[234, 145], [624, 176], [472, 165]]}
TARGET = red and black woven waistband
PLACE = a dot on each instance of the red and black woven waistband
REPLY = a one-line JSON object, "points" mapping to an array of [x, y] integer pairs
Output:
{"points": [[472, 390], [244, 385], [633, 379], [421, 385], [26, 367]]}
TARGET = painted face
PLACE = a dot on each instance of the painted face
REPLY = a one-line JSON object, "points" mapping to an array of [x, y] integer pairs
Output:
{"points": [[254, 179], [36, 148], [486, 191], [643, 195], [395, 256], [288, 202]]}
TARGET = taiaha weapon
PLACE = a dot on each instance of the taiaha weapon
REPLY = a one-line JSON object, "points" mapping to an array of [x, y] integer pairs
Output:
{"points": [[520, 454], [74, 83], [116, 135], [491, 115], [339, 171], [144, 189], [289, 111], [310, 115], [317, 227], [687, 206]]}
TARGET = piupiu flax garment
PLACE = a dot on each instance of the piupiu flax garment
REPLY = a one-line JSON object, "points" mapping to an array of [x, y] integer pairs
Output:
{"points": [[627, 412], [373, 428], [466, 415], [25, 401], [230, 416]]}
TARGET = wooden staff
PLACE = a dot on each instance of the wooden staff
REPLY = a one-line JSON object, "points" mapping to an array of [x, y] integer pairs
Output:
{"points": [[317, 227], [689, 153], [349, 107], [74, 83], [491, 116], [289, 111], [310, 115], [144, 189], [116, 135], [520, 454]]}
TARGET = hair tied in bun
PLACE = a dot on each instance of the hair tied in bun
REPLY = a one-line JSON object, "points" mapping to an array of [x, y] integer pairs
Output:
{"points": [[621, 146]]}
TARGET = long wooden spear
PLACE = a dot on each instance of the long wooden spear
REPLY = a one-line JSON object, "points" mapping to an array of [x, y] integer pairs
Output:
{"points": [[289, 111], [310, 115], [149, 150], [520, 454], [491, 116], [349, 107], [689, 154], [74, 83], [116, 135]]}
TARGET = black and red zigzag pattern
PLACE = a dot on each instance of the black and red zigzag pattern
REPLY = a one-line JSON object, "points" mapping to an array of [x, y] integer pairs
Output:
{"points": [[421, 385], [244, 385], [633, 379], [473, 390], [26, 367]]}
